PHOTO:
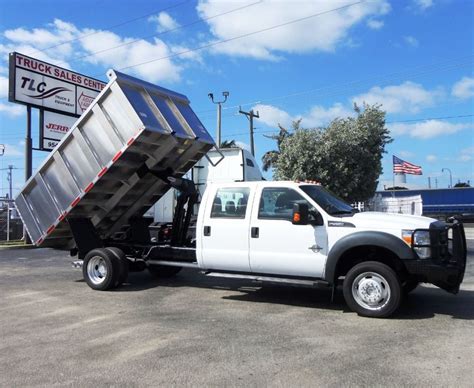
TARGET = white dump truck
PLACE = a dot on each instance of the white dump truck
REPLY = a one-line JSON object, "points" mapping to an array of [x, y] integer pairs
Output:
{"points": [[137, 140]]}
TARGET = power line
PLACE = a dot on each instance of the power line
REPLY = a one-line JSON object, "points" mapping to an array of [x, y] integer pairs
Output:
{"points": [[197, 21], [342, 88], [239, 36], [112, 27], [387, 122]]}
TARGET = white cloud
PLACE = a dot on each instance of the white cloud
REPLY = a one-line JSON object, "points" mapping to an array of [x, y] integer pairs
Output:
{"points": [[411, 41], [272, 116], [375, 24], [57, 39], [12, 110], [319, 116], [164, 22], [427, 129], [431, 158], [12, 150], [423, 4], [406, 97], [131, 54], [319, 33], [3, 87], [464, 88], [466, 154], [406, 154], [131, 51]]}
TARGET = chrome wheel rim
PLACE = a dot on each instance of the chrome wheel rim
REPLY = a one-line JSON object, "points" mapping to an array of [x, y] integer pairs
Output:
{"points": [[97, 270], [371, 291]]}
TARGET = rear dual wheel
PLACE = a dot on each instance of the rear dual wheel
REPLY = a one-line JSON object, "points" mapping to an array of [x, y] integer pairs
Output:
{"points": [[105, 268]]}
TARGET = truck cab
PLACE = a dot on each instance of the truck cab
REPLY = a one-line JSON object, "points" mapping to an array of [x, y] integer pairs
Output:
{"points": [[300, 232]]}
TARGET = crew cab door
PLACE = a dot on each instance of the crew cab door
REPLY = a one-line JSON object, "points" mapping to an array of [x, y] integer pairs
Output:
{"points": [[279, 247], [225, 229]]}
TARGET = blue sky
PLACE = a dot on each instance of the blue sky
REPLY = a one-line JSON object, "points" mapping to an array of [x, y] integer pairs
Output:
{"points": [[298, 59]]}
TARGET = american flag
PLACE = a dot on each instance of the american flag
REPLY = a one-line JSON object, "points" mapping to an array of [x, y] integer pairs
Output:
{"points": [[402, 167]]}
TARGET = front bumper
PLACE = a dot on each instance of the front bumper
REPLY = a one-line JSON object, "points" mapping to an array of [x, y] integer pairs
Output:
{"points": [[445, 268]]}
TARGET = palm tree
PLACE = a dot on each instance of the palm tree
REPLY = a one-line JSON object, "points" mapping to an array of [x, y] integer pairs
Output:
{"points": [[270, 158], [228, 144]]}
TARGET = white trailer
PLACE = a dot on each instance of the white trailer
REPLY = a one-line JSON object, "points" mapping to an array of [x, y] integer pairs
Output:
{"points": [[224, 165]]}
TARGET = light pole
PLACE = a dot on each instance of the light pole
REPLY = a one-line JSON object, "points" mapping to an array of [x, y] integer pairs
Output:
{"points": [[219, 115], [450, 176]]}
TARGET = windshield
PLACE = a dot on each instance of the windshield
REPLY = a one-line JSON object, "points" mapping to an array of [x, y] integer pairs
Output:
{"points": [[327, 200]]}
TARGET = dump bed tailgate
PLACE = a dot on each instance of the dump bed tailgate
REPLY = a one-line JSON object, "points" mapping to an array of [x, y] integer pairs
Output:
{"points": [[102, 169]]}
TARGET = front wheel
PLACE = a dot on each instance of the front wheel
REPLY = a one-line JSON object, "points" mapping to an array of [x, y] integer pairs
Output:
{"points": [[372, 289]]}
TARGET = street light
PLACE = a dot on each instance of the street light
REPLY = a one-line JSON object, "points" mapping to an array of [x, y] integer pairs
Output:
{"points": [[450, 176], [219, 114]]}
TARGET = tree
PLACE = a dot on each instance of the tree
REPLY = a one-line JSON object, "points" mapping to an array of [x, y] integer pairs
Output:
{"points": [[270, 158], [228, 144], [345, 157]]}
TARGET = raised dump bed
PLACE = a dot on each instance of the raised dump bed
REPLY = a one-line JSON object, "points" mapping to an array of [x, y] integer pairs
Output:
{"points": [[103, 169]]}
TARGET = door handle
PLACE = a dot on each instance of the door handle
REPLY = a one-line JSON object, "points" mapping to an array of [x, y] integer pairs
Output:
{"points": [[207, 231], [315, 248], [254, 232]]}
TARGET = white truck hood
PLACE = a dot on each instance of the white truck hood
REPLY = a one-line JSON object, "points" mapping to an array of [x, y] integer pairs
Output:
{"points": [[379, 220]]}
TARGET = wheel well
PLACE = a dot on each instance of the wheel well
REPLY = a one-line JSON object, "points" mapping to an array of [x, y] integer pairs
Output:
{"points": [[356, 255]]}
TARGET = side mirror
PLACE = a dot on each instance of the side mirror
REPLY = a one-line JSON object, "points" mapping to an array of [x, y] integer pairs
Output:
{"points": [[300, 214]]}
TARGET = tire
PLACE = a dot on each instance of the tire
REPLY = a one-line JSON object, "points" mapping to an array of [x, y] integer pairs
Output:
{"points": [[163, 271], [372, 289], [409, 286], [101, 269], [123, 265]]}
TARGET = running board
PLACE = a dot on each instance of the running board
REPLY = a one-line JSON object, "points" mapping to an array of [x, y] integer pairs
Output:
{"points": [[173, 263], [270, 279]]}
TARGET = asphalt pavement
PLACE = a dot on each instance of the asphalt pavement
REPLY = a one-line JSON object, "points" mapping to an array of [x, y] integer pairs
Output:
{"points": [[198, 331]]}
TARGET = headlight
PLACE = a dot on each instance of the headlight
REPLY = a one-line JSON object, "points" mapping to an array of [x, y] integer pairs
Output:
{"points": [[421, 237]]}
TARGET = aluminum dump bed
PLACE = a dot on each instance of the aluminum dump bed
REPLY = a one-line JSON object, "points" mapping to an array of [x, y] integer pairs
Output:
{"points": [[102, 169]]}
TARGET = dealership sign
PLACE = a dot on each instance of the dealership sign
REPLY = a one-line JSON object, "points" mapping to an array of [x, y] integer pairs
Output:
{"points": [[42, 85], [60, 94], [53, 127]]}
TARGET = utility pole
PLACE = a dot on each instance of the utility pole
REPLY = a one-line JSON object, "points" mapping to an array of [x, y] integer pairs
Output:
{"points": [[250, 115], [10, 180], [219, 115]]}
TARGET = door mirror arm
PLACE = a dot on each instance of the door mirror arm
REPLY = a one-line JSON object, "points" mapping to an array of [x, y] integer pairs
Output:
{"points": [[316, 219]]}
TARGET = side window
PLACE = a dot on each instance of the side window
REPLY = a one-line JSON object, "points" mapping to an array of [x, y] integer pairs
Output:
{"points": [[230, 202], [277, 203], [249, 162]]}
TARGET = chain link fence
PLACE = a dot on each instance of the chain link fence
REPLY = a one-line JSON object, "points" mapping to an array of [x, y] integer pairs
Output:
{"points": [[11, 226]]}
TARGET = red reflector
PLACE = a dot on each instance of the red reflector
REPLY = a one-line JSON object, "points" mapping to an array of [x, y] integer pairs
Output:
{"points": [[117, 155], [89, 187], [61, 217], [50, 229], [39, 241], [102, 172], [132, 139], [75, 202]]}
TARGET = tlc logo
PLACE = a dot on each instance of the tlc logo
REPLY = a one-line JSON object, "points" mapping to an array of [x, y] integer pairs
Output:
{"points": [[29, 84]]}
